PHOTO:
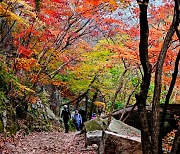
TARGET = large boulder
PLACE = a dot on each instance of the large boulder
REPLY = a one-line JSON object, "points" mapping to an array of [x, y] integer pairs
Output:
{"points": [[95, 124], [9, 120], [119, 144], [55, 98], [40, 117], [120, 138], [51, 115], [121, 128]]}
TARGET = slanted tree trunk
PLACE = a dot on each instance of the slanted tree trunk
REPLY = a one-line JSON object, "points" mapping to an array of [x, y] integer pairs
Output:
{"points": [[117, 91], [176, 143], [157, 88], [127, 103], [173, 81], [6, 36], [150, 145], [80, 97]]}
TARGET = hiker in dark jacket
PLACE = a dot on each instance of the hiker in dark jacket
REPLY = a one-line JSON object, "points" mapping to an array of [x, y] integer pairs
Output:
{"points": [[77, 120], [66, 116], [83, 115]]}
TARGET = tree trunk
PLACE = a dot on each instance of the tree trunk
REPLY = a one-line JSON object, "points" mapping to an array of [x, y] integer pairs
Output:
{"points": [[117, 92], [6, 36], [173, 81], [176, 144], [127, 103], [86, 106], [80, 97], [174, 75], [55, 99], [142, 96], [157, 88], [92, 104]]}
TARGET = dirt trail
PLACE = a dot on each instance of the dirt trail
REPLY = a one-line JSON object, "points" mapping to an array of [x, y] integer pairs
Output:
{"points": [[48, 143]]}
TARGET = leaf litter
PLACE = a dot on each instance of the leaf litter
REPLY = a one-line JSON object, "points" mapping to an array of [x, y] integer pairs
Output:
{"points": [[53, 142]]}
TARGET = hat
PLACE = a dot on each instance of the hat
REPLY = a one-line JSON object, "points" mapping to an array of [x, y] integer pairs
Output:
{"points": [[94, 114]]}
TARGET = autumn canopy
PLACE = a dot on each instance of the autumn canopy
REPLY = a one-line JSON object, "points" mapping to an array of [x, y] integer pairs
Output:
{"points": [[100, 55]]}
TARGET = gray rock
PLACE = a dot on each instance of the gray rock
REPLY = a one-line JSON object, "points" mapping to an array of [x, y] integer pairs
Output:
{"points": [[95, 124], [121, 128], [120, 138], [95, 146], [51, 115], [10, 146], [114, 143], [93, 137]]}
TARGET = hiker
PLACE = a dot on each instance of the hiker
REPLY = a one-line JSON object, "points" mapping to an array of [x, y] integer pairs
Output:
{"points": [[83, 115], [93, 116], [66, 116], [77, 120]]}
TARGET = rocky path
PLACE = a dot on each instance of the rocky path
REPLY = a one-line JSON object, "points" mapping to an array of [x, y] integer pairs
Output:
{"points": [[46, 143]]}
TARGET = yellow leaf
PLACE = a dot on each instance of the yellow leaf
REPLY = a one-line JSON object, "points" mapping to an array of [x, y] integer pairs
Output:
{"points": [[112, 2], [100, 104], [12, 15], [24, 88]]}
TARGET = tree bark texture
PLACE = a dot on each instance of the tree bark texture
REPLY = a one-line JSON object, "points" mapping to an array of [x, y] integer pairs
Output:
{"points": [[173, 81], [157, 88], [176, 144], [147, 69]]}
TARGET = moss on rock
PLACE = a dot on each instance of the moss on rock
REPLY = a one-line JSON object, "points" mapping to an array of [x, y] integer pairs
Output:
{"points": [[12, 123], [96, 124]]}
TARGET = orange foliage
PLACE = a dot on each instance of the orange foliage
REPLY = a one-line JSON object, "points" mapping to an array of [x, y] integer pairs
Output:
{"points": [[33, 99], [25, 63], [63, 21], [24, 51]]}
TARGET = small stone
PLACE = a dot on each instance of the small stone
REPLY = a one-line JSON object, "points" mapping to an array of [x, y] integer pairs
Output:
{"points": [[95, 146], [10, 146]]}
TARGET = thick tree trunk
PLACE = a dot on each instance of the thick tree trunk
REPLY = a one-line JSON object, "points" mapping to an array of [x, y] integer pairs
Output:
{"points": [[142, 96], [174, 75], [157, 88]]}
